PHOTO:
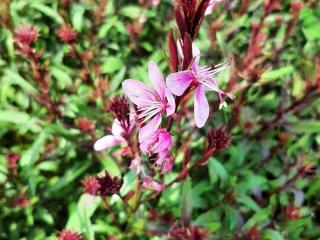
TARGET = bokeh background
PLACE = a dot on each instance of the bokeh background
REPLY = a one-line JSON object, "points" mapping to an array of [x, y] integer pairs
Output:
{"points": [[264, 186]]}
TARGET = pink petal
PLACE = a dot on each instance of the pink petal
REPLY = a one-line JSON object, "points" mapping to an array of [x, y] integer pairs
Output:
{"points": [[178, 82], [211, 7], [171, 108], [201, 107], [117, 129], [155, 76], [105, 142], [149, 128], [195, 52], [196, 55], [168, 164], [162, 155], [138, 92]]}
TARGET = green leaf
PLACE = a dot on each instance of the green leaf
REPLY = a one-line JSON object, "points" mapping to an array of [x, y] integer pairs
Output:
{"points": [[272, 235], [9, 43], [131, 11], [186, 202], [216, 169], [48, 11], [111, 64], [70, 175], [62, 77], [110, 165], [79, 219], [261, 216], [309, 126], [310, 23], [118, 79], [247, 201], [314, 188], [29, 158], [14, 78], [77, 15], [21, 119], [278, 73]]}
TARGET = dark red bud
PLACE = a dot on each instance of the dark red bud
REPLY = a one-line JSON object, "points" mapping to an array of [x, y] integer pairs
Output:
{"points": [[173, 50], [180, 19], [187, 51]]}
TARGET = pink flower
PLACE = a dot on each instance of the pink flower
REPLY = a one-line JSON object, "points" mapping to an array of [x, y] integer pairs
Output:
{"points": [[201, 78], [149, 183], [116, 138], [167, 165], [151, 103], [212, 5], [159, 142]]}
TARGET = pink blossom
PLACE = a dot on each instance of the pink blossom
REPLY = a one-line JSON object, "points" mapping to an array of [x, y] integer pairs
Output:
{"points": [[114, 139], [149, 183], [167, 165], [202, 79], [151, 103], [159, 142]]}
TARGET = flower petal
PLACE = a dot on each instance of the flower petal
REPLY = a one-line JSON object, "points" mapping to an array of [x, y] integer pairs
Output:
{"points": [[201, 107], [178, 82], [138, 92], [156, 77], [195, 52], [149, 128], [106, 142], [117, 129], [171, 107]]}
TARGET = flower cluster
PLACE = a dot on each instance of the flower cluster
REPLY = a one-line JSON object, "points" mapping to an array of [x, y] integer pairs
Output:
{"points": [[153, 104]]}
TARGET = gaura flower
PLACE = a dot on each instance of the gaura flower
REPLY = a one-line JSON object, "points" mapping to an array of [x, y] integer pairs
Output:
{"points": [[114, 139], [200, 78], [159, 143], [151, 103]]}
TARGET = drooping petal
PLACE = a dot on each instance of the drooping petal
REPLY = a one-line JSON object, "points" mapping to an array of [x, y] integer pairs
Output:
{"points": [[211, 7], [162, 155], [156, 77], [116, 129], [149, 128], [171, 107], [196, 55], [138, 92], [178, 82], [164, 141], [168, 164], [201, 107], [106, 142]]}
